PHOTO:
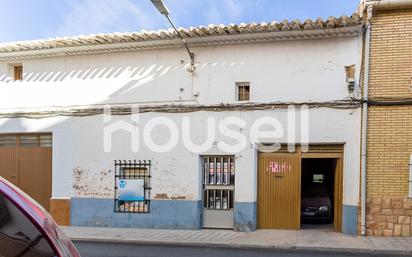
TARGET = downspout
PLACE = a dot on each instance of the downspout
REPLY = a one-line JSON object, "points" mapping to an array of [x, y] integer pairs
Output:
{"points": [[410, 176], [365, 118]]}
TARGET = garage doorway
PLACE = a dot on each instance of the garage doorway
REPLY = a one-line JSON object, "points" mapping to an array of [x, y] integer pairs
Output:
{"points": [[283, 176], [26, 161], [317, 192], [321, 192]]}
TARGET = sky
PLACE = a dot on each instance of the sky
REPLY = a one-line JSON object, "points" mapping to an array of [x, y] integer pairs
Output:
{"points": [[38, 19]]}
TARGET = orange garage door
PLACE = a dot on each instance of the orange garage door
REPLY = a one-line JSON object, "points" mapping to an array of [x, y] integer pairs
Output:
{"points": [[25, 160], [279, 191]]}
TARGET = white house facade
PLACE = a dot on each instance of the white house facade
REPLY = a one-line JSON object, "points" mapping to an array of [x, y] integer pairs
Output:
{"points": [[108, 109]]}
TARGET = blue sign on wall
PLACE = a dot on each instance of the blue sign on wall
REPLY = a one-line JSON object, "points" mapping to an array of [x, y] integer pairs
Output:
{"points": [[130, 189]]}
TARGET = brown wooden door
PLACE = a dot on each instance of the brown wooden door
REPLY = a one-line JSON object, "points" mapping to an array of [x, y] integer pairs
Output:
{"points": [[279, 191], [9, 167], [27, 164]]}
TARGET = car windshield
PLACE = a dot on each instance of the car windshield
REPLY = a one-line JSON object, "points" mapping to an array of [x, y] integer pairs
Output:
{"points": [[316, 190], [18, 235]]}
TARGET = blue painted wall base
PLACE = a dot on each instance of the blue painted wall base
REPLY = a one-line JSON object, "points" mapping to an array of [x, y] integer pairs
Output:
{"points": [[245, 216], [175, 214], [164, 214], [350, 219]]}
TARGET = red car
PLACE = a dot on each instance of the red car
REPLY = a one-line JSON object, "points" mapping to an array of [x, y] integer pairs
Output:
{"points": [[26, 229]]}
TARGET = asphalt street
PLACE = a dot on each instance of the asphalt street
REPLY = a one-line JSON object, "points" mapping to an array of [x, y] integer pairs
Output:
{"points": [[106, 249]]}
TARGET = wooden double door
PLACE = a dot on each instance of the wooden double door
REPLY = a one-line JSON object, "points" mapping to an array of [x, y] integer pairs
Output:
{"points": [[26, 161]]}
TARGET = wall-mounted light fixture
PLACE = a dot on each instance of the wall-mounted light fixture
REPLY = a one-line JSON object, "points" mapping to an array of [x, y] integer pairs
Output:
{"points": [[161, 7]]}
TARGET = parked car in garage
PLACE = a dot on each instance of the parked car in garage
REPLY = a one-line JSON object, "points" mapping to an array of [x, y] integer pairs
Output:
{"points": [[26, 229], [316, 205]]}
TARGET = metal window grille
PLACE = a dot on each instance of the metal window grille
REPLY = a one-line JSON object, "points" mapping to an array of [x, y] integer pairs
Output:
{"points": [[136, 173], [243, 90], [218, 182]]}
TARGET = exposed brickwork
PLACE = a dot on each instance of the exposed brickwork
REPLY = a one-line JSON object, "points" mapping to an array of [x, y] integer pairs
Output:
{"points": [[389, 146], [390, 128]]}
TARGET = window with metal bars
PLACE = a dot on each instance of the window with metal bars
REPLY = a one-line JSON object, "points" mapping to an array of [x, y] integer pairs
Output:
{"points": [[243, 91], [132, 186], [218, 182]]}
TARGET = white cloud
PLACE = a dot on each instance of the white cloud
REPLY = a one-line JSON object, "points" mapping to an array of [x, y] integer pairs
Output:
{"points": [[102, 16], [94, 16], [233, 8], [220, 11]]}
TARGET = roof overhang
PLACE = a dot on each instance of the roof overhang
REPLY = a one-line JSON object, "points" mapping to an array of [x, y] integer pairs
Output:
{"points": [[260, 37]]}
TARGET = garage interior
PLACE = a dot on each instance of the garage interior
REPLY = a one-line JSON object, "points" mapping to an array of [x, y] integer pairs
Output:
{"points": [[318, 201]]}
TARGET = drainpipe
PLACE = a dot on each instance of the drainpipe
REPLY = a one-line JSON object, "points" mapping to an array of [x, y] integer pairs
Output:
{"points": [[410, 176], [365, 118]]}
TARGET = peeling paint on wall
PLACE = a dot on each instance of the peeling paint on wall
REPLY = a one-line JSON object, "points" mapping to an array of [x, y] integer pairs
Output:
{"points": [[170, 181], [165, 196], [93, 184], [161, 196]]}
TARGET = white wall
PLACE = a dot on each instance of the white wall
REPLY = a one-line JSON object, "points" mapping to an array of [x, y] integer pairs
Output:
{"points": [[279, 71], [78, 146], [310, 70]]}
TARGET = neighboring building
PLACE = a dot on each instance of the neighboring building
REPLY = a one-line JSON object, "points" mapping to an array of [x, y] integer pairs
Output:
{"points": [[389, 137], [53, 93]]}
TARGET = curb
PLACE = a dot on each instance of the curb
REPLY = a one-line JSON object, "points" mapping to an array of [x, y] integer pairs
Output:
{"points": [[282, 248]]}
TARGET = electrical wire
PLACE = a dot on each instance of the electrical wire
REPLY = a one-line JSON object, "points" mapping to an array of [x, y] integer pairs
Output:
{"points": [[174, 108], [129, 108]]}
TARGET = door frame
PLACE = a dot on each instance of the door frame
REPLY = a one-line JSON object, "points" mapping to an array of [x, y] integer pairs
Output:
{"points": [[338, 185], [319, 151]]}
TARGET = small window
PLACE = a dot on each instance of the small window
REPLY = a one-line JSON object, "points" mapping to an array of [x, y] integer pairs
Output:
{"points": [[46, 140], [318, 178], [132, 186], [218, 182], [18, 72], [243, 91], [28, 141], [8, 141]]}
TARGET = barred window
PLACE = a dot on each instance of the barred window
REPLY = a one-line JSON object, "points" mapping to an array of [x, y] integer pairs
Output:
{"points": [[132, 186], [218, 182]]}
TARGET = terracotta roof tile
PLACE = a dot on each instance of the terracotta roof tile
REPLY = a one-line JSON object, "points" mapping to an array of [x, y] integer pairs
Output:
{"points": [[192, 32]]}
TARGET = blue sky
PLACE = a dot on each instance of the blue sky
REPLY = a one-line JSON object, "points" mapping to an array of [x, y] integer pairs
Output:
{"points": [[36, 19]]}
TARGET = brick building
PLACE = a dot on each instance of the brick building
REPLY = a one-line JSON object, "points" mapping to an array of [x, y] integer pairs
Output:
{"points": [[389, 128]]}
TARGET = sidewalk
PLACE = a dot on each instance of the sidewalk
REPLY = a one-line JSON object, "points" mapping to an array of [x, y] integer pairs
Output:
{"points": [[308, 239]]}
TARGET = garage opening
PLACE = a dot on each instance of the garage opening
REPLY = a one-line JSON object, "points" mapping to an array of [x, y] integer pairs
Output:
{"points": [[318, 201]]}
